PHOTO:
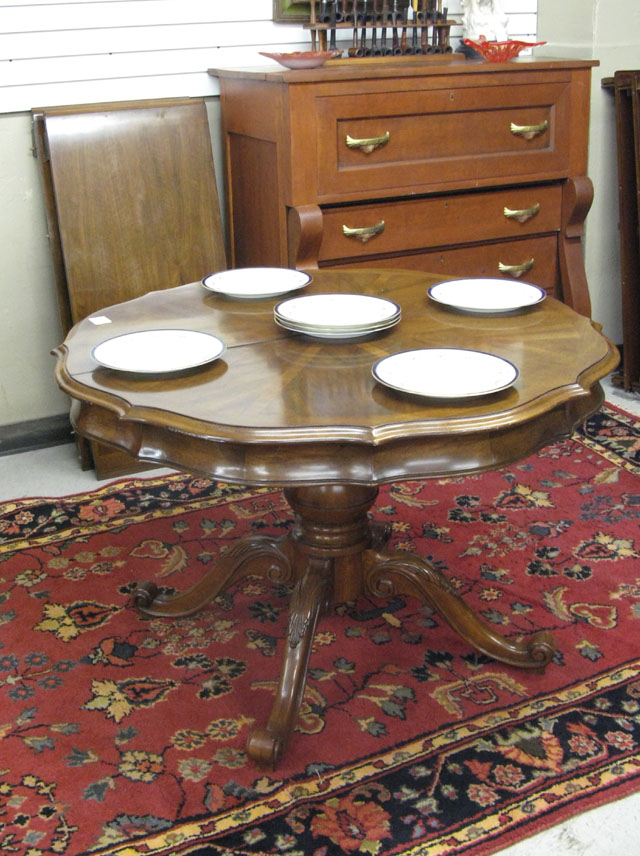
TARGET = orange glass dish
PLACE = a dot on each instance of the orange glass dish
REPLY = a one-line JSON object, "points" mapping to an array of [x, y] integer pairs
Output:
{"points": [[302, 59]]}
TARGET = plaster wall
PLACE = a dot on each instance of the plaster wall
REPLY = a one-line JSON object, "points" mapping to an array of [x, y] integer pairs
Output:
{"points": [[609, 31]]}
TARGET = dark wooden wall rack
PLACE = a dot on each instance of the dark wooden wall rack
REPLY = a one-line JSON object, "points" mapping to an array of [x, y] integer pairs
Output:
{"points": [[394, 29]]}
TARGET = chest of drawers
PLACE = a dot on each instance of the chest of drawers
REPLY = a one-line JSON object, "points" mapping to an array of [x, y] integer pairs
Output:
{"points": [[461, 168]]}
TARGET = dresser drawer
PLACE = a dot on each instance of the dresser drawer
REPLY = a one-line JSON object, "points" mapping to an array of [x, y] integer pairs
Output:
{"points": [[437, 221], [441, 137], [537, 257]]}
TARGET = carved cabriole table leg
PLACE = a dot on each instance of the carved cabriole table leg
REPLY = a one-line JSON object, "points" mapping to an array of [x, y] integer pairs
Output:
{"points": [[255, 555], [309, 600], [405, 573], [332, 532]]}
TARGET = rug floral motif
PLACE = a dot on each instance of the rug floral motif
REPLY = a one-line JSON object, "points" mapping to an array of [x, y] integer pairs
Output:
{"points": [[126, 735]]}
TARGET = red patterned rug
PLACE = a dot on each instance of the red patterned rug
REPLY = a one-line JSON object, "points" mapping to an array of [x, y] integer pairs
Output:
{"points": [[124, 735]]}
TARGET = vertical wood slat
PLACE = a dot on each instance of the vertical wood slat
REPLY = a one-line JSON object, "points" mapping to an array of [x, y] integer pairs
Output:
{"points": [[626, 89]]}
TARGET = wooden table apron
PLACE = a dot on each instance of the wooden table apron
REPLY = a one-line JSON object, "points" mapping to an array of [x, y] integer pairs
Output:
{"points": [[307, 414]]}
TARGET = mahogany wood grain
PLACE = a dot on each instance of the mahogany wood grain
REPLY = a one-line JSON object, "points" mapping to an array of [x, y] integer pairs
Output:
{"points": [[536, 256], [284, 409], [447, 214], [450, 136], [577, 199]]}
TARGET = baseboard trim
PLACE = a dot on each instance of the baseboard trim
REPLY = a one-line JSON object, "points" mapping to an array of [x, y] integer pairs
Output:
{"points": [[35, 434]]}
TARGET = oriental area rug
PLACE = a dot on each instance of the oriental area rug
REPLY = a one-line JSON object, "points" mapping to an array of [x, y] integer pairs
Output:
{"points": [[124, 735]]}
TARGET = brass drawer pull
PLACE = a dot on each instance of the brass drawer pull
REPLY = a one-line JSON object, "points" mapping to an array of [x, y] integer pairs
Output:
{"points": [[521, 214], [368, 144], [364, 233], [516, 270], [529, 131]]}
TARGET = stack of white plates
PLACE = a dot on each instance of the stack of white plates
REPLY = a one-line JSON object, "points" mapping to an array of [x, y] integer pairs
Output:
{"points": [[337, 316]]}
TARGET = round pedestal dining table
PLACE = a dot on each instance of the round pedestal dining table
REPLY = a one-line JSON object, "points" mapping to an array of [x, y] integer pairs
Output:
{"points": [[308, 413]]}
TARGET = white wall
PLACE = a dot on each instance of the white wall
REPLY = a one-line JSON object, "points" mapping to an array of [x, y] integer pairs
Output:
{"points": [[97, 50], [93, 50], [609, 31], [81, 50]]}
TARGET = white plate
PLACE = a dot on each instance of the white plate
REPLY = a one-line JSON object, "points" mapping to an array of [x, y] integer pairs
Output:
{"points": [[155, 351], [487, 295], [445, 372], [334, 313], [256, 283]]}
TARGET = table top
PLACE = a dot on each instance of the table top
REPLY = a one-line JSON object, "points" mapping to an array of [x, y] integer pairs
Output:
{"points": [[283, 408]]}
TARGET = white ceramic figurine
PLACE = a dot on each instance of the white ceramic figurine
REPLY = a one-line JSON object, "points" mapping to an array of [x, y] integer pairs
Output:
{"points": [[484, 18]]}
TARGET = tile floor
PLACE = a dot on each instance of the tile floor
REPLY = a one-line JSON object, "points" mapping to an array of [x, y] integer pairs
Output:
{"points": [[612, 830]]}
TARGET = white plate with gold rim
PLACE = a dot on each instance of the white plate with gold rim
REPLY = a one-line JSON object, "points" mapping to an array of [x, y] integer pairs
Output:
{"points": [[158, 351], [445, 372], [487, 295], [256, 283]]}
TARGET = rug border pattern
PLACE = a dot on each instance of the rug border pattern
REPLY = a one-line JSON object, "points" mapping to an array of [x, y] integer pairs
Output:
{"points": [[523, 810]]}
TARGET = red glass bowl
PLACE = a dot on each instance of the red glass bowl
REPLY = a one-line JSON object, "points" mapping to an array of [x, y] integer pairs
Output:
{"points": [[499, 51]]}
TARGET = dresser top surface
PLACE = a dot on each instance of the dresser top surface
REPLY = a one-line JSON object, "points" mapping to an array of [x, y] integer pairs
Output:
{"points": [[348, 70]]}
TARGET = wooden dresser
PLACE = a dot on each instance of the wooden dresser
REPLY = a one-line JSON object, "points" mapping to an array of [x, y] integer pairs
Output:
{"points": [[463, 168]]}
